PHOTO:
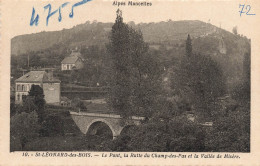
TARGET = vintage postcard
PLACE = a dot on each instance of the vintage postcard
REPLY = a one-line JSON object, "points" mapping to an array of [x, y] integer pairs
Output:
{"points": [[130, 82]]}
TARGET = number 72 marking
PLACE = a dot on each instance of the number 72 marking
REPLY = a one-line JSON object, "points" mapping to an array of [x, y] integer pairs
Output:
{"points": [[247, 9]]}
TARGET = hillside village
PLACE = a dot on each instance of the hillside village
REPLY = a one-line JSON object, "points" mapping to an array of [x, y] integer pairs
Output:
{"points": [[72, 71]]}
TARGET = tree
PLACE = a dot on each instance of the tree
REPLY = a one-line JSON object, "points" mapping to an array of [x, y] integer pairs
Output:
{"points": [[241, 91], [53, 125], [247, 76], [24, 127], [119, 93], [37, 96], [199, 81], [29, 104], [188, 46], [34, 60], [134, 73], [246, 66], [231, 129], [168, 130], [155, 136]]}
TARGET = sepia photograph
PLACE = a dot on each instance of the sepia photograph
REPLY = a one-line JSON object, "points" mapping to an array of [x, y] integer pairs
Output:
{"points": [[138, 82], [164, 85]]}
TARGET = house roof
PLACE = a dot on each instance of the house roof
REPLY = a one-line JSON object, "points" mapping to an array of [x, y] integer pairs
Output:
{"points": [[37, 76], [70, 59], [74, 56]]}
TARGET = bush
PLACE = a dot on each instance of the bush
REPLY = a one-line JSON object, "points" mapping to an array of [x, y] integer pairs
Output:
{"points": [[52, 126], [178, 135], [231, 131], [24, 127]]}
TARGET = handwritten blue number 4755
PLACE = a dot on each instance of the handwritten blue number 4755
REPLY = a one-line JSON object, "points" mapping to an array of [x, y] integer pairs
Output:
{"points": [[245, 9], [35, 19]]}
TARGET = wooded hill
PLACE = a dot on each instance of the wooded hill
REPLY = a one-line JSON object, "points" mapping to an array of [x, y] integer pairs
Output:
{"points": [[96, 33], [167, 38]]}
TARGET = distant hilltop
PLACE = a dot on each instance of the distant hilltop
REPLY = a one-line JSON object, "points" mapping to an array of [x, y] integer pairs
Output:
{"points": [[96, 33]]}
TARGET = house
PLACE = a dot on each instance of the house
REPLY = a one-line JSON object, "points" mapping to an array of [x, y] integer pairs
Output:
{"points": [[49, 84], [74, 60], [66, 102]]}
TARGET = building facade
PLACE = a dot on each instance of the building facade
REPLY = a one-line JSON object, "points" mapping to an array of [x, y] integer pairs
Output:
{"points": [[49, 84], [74, 61]]}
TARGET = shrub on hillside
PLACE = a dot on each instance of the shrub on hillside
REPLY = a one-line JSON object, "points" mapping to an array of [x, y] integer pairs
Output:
{"points": [[24, 128], [52, 126]]}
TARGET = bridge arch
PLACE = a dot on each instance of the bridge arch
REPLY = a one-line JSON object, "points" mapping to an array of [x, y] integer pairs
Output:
{"points": [[103, 121]]}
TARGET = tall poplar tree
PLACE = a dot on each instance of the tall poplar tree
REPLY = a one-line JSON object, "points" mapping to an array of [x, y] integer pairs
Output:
{"points": [[188, 46], [119, 94], [133, 72]]}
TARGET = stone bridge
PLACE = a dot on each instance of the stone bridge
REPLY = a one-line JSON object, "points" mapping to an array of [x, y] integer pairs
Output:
{"points": [[86, 120]]}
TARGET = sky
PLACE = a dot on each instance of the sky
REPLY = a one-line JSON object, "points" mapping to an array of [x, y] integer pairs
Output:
{"points": [[220, 13]]}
